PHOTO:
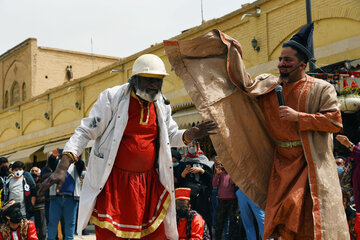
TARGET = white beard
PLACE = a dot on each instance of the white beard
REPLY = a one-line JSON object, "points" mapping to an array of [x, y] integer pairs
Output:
{"points": [[148, 97]]}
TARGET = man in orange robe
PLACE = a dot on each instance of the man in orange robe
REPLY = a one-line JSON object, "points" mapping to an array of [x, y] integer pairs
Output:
{"points": [[288, 209], [294, 175]]}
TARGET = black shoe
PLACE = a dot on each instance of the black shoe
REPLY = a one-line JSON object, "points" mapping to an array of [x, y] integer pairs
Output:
{"points": [[84, 232]]}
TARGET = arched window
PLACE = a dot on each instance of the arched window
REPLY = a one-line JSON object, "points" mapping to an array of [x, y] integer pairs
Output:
{"points": [[23, 91], [6, 104], [15, 94]]}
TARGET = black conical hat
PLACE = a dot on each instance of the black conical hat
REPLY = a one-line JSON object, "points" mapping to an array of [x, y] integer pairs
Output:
{"points": [[303, 40]]}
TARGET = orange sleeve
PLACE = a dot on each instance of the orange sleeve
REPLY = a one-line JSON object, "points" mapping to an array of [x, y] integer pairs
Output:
{"points": [[323, 122], [197, 228]]}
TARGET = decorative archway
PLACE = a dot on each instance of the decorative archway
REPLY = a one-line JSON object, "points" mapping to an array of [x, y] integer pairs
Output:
{"points": [[14, 94], [23, 92], [6, 100], [322, 19]]}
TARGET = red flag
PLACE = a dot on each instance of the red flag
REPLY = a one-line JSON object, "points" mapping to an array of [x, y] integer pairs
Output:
{"points": [[345, 83]]}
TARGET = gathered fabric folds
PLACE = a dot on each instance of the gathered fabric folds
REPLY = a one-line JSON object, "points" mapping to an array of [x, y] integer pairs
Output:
{"points": [[145, 198], [212, 70]]}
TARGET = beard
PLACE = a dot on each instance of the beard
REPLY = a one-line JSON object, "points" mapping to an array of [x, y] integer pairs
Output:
{"points": [[284, 75], [150, 97]]}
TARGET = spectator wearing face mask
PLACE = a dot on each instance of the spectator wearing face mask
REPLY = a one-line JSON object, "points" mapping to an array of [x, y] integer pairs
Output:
{"points": [[195, 172], [190, 224], [21, 188], [340, 163], [39, 208], [16, 226]]}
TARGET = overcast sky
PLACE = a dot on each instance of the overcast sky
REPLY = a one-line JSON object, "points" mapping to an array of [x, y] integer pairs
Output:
{"points": [[117, 27]]}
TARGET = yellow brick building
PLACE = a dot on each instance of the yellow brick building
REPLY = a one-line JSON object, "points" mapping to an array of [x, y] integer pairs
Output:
{"points": [[28, 70], [33, 127]]}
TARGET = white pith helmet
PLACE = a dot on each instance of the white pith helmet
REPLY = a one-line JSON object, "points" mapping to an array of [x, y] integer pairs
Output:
{"points": [[149, 65]]}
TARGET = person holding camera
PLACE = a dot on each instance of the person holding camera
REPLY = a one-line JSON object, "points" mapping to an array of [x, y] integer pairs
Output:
{"points": [[195, 172]]}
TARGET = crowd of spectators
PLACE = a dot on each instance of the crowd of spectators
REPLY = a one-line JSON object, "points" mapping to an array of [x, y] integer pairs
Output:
{"points": [[227, 212], [51, 215], [349, 175]]}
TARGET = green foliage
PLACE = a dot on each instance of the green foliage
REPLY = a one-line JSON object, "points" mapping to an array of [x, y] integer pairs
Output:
{"points": [[352, 90]]}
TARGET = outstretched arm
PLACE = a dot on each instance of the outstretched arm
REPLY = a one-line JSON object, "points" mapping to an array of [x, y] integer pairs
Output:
{"points": [[58, 177], [90, 128], [355, 151], [200, 130]]}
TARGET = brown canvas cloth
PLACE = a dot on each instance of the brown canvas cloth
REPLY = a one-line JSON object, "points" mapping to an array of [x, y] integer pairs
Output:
{"points": [[242, 143], [215, 77]]}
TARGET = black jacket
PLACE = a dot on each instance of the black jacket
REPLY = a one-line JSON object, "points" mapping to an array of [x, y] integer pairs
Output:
{"points": [[29, 189]]}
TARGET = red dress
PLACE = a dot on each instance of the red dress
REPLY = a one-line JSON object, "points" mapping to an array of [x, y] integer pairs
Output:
{"points": [[133, 203]]}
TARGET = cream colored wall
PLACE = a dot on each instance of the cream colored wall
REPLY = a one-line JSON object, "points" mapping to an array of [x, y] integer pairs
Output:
{"points": [[42, 68], [50, 66], [278, 21], [60, 106], [16, 67]]}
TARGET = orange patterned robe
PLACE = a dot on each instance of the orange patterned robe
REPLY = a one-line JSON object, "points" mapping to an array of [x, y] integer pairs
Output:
{"points": [[288, 211]]}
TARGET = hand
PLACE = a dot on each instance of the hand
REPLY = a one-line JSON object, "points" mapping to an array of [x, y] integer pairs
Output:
{"points": [[197, 170], [201, 130], [185, 172], [289, 114], [344, 140], [57, 177], [218, 170], [56, 153]]}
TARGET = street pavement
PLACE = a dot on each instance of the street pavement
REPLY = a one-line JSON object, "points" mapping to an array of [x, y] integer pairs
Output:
{"points": [[89, 229], [87, 237]]}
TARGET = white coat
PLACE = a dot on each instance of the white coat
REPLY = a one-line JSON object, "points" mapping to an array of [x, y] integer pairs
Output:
{"points": [[106, 124]]}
